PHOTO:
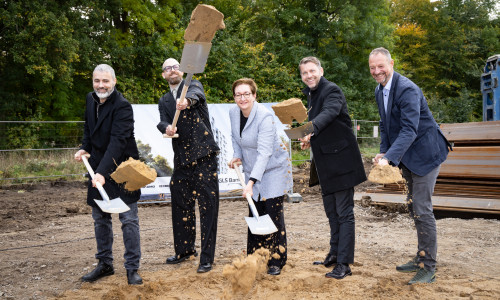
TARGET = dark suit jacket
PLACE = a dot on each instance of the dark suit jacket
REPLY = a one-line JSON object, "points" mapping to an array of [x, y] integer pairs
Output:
{"points": [[409, 133], [193, 126], [110, 140], [335, 149]]}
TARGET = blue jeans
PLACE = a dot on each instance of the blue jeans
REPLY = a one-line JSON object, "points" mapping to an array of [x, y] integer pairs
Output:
{"points": [[131, 239]]}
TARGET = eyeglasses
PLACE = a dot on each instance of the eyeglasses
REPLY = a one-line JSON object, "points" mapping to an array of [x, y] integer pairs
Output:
{"points": [[170, 68], [239, 96]]}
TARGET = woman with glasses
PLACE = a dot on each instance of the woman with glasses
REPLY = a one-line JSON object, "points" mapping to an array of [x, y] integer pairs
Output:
{"points": [[266, 166]]}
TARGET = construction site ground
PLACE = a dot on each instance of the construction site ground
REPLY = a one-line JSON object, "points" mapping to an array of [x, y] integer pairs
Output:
{"points": [[47, 244]]}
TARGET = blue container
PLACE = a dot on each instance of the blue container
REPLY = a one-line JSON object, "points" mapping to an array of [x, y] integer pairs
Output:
{"points": [[490, 87]]}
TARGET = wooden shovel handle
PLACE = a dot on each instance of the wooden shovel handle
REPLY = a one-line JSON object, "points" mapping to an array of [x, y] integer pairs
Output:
{"points": [[98, 185], [255, 213], [187, 82]]}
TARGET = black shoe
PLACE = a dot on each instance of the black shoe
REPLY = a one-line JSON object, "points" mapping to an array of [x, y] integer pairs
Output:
{"points": [[133, 277], [175, 259], [102, 270], [329, 261], [203, 268], [274, 270], [340, 271]]}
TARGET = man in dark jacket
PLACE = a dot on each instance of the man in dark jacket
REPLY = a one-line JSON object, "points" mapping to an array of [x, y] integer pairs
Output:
{"points": [[109, 138], [412, 140], [195, 168], [336, 162]]}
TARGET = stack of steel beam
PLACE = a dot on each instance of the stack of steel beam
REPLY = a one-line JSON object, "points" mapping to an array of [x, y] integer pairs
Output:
{"points": [[470, 177]]}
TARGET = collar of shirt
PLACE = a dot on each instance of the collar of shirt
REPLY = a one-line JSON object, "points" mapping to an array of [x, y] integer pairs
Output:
{"points": [[175, 88], [386, 91]]}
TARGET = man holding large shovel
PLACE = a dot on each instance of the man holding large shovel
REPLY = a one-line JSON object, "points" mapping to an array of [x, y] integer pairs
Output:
{"points": [[195, 168], [187, 122]]}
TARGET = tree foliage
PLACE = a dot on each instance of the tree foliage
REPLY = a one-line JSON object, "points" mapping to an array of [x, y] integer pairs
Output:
{"points": [[50, 47], [443, 46]]}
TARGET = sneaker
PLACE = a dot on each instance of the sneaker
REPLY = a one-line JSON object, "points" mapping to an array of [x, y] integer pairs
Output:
{"points": [[423, 276], [411, 266]]}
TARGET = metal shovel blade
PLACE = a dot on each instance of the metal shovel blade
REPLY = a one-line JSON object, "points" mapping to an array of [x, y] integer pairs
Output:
{"points": [[114, 206], [300, 132], [261, 226], [194, 57]]}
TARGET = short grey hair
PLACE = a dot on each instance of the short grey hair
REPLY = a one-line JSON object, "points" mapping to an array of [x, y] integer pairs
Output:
{"points": [[309, 59], [105, 68], [383, 51]]}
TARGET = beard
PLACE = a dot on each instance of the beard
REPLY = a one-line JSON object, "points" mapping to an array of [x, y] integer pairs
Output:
{"points": [[175, 81], [106, 94]]}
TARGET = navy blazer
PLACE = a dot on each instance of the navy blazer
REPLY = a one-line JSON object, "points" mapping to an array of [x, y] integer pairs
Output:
{"points": [[110, 140], [409, 133]]}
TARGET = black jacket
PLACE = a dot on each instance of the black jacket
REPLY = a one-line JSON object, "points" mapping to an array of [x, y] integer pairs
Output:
{"points": [[335, 150], [193, 126], [109, 138]]}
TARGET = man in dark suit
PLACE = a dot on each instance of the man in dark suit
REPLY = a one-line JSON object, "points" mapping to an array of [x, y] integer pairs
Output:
{"points": [[412, 140], [109, 138], [336, 162], [195, 168]]}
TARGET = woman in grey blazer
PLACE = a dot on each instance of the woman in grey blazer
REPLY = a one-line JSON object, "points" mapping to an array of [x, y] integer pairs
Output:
{"points": [[266, 165]]}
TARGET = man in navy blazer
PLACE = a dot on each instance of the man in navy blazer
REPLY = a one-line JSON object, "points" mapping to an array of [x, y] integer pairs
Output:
{"points": [[411, 140]]}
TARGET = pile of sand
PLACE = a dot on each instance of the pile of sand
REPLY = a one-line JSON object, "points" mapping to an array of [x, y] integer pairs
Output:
{"points": [[289, 110], [134, 173], [245, 271], [385, 174]]}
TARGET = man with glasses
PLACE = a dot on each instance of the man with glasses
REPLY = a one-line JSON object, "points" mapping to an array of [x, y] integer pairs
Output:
{"points": [[195, 168]]}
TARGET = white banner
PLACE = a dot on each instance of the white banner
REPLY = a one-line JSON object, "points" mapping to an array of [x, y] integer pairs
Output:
{"points": [[147, 136]]}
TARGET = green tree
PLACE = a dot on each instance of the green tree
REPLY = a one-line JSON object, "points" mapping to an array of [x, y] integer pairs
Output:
{"points": [[443, 46]]}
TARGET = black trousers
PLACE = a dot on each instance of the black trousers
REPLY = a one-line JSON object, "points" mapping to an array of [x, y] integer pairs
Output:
{"points": [[339, 208], [198, 181], [275, 242]]}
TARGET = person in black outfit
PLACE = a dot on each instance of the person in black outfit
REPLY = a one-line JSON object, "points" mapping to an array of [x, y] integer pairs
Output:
{"points": [[336, 162], [195, 168], [109, 138]]}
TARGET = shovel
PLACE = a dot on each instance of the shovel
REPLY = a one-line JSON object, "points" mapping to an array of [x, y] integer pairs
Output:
{"points": [[260, 225], [113, 206], [205, 21]]}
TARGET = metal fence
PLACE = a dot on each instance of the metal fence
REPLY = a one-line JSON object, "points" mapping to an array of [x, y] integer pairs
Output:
{"points": [[30, 137]]}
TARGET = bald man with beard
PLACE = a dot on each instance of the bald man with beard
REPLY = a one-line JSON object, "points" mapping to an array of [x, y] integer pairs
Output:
{"points": [[195, 167]]}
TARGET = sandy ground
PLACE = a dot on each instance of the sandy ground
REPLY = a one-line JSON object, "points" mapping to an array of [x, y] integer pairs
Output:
{"points": [[47, 244]]}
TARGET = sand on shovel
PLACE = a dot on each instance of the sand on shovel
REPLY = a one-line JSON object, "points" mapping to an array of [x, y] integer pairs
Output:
{"points": [[204, 23], [385, 174], [245, 271], [135, 173], [289, 110]]}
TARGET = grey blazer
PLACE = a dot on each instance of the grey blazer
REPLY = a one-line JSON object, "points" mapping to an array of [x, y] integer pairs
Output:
{"points": [[263, 153]]}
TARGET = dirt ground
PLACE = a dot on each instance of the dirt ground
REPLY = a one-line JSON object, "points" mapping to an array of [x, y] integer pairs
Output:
{"points": [[47, 244]]}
